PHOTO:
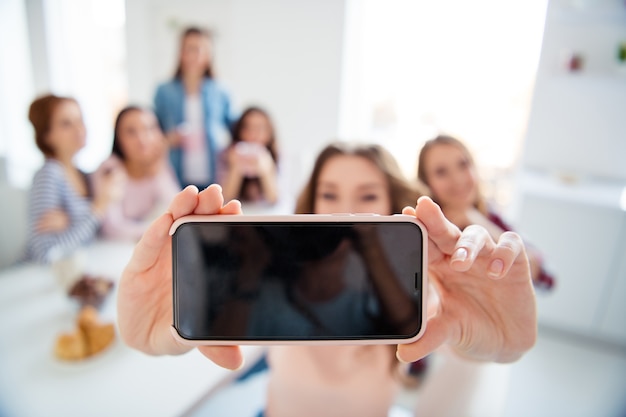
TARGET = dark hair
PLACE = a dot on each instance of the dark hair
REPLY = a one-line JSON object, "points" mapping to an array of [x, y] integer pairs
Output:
{"points": [[271, 146], [402, 192], [117, 149], [240, 123], [40, 115], [480, 202], [194, 31]]}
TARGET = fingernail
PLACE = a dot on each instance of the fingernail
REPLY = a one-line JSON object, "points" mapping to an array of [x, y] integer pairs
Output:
{"points": [[241, 365], [400, 359], [496, 267], [459, 255], [192, 187]]}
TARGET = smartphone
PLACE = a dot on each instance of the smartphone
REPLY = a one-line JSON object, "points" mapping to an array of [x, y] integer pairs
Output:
{"points": [[298, 279]]}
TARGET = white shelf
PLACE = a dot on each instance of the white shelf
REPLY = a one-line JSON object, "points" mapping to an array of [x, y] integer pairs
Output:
{"points": [[594, 192]]}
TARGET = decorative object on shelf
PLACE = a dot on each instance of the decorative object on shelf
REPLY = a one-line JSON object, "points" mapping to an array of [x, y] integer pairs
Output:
{"points": [[621, 53], [573, 61]]}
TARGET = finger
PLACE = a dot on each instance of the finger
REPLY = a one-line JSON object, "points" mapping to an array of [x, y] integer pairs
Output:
{"points": [[434, 254], [149, 247], [443, 233], [408, 211], [436, 334], [232, 207], [184, 203], [229, 357], [473, 240], [210, 200], [510, 249]]}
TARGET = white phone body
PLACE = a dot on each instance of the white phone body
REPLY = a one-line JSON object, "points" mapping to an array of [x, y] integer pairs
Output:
{"points": [[389, 230]]}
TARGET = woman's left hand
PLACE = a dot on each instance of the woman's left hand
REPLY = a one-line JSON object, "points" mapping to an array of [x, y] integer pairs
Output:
{"points": [[486, 303]]}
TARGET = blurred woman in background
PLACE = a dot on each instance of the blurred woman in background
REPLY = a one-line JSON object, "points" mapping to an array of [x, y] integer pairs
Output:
{"points": [[192, 109], [64, 214], [446, 166], [248, 166], [139, 157]]}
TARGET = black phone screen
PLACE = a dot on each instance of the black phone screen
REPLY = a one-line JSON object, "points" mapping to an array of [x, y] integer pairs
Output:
{"points": [[297, 281]]}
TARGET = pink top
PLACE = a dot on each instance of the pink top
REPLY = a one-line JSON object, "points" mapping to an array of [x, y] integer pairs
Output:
{"points": [[331, 381], [142, 200]]}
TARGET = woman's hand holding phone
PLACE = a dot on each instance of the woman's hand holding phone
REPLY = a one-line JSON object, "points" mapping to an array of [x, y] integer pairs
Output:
{"points": [[144, 305], [486, 308]]}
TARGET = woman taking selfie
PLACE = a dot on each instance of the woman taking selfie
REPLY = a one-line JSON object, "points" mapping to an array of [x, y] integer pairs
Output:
{"points": [[476, 282]]}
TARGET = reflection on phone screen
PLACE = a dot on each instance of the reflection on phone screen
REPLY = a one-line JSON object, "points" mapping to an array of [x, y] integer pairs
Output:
{"points": [[305, 281]]}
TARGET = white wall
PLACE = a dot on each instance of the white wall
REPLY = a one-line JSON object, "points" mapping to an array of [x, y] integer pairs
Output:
{"points": [[576, 126], [16, 87], [283, 55], [572, 189]]}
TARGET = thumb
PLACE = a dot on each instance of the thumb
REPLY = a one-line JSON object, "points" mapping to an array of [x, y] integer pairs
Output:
{"points": [[435, 335], [229, 357]]}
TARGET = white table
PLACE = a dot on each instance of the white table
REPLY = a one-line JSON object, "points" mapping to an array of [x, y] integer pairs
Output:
{"points": [[118, 382]]}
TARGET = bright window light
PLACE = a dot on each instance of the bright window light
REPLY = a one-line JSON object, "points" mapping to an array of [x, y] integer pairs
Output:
{"points": [[413, 69]]}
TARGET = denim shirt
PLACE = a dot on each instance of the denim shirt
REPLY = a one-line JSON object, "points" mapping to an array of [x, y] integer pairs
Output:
{"points": [[169, 103]]}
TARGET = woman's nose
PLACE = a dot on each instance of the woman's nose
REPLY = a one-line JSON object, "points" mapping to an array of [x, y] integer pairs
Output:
{"points": [[345, 206]]}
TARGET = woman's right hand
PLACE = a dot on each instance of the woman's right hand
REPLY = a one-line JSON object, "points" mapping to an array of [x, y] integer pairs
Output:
{"points": [[486, 308], [144, 304]]}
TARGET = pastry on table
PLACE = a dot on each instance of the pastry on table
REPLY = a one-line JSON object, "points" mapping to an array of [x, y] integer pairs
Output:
{"points": [[70, 347], [97, 336], [90, 338]]}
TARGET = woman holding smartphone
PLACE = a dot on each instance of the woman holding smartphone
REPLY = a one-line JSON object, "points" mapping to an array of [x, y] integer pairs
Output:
{"points": [[478, 282], [359, 379], [309, 281], [192, 110]]}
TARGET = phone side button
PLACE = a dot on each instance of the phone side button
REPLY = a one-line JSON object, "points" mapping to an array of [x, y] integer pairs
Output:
{"points": [[342, 214], [367, 214]]}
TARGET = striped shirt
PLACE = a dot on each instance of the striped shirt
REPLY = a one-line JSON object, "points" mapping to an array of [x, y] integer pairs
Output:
{"points": [[51, 190]]}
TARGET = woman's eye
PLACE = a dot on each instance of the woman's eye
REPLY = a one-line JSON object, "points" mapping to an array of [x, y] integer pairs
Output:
{"points": [[328, 196], [440, 172], [369, 197]]}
